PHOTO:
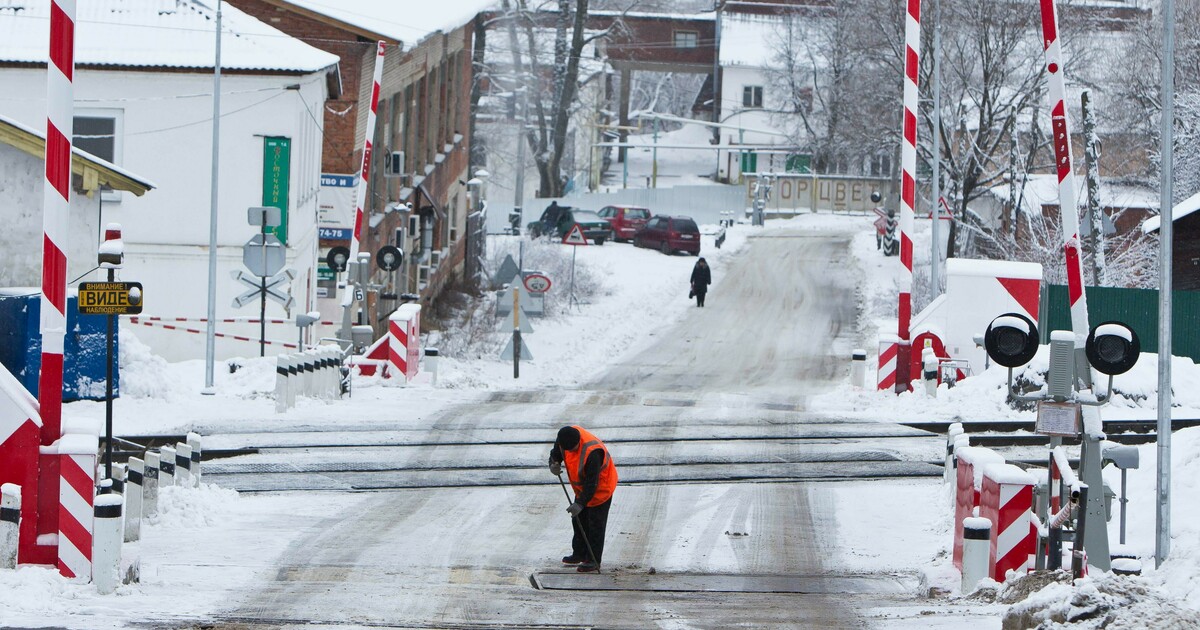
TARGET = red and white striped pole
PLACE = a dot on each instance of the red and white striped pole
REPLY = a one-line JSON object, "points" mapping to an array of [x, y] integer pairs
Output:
{"points": [[1067, 201], [368, 141], [364, 174], [60, 109], [908, 189], [56, 199]]}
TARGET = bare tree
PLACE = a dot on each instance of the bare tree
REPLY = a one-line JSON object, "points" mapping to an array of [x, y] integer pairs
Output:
{"points": [[549, 90]]}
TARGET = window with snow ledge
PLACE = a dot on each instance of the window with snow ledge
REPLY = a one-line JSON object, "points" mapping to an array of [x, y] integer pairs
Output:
{"points": [[98, 131]]}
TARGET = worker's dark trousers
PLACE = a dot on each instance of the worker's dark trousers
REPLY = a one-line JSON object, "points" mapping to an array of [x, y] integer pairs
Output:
{"points": [[595, 520]]}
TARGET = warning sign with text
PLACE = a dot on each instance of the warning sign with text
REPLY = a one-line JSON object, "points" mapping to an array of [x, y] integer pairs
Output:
{"points": [[110, 298]]}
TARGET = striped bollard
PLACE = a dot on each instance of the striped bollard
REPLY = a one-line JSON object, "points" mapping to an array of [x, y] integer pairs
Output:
{"points": [[293, 380], [76, 493], [10, 524], [195, 441], [889, 347], [150, 485], [183, 465], [133, 499], [1006, 499], [310, 368], [977, 549], [281, 375], [955, 430], [166, 467], [106, 557]]}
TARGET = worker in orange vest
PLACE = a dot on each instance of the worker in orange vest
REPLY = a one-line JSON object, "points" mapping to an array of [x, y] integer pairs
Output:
{"points": [[593, 476]]}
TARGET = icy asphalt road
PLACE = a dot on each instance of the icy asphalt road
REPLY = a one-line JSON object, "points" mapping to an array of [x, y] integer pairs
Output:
{"points": [[710, 426]]}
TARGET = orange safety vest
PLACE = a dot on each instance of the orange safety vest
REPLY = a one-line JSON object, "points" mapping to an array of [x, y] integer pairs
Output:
{"points": [[574, 460]]}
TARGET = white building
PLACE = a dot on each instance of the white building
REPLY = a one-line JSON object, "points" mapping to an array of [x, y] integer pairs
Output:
{"points": [[143, 101]]}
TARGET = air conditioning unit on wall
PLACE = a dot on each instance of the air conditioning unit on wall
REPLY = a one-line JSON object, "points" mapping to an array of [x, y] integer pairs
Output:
{"points": [[435, 259], [393, 164]]}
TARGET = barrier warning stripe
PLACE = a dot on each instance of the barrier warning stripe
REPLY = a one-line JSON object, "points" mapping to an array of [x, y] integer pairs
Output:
{"points": [[886, 374], [75, 517], [159, 324], [228, 320], [1007, 500]]}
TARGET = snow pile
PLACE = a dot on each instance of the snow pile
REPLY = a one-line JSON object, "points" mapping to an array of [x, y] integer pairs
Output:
{"points": [[1109, 601], [191, 508]]}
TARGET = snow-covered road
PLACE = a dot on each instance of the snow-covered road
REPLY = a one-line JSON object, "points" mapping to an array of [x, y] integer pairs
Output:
{"points": [[720, 396]]}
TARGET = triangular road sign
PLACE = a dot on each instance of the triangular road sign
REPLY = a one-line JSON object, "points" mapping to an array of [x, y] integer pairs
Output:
{"points": [[575, 236], [507, 353]]}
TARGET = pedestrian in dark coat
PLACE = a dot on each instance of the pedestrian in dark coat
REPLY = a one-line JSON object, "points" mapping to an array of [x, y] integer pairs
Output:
{"points": [[701, 278]]}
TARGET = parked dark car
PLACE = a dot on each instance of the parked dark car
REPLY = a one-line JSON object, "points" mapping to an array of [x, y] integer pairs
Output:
{"points": [[594, 228], [625, 220], [669, 235]]}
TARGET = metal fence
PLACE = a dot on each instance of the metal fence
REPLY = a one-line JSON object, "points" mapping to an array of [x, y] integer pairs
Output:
{"points": [[1137, 308]]}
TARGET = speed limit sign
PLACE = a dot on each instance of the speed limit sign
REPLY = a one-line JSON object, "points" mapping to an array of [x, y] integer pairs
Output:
{"points": [[537, 283]]}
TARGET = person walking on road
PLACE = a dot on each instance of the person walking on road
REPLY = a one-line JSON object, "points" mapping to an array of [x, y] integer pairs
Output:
{"points": [[701, 278], [593, 476]]}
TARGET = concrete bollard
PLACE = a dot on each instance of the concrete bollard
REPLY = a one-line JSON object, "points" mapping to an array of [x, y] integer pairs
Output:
{"points": [[280, 385], [310, 368], [166, 467], [977, 549], [106, 543], [150, 485], [10, 524], [292, 362], [952, 434], [431, 364], [858, 368], [194, 440], [133, 498], [929, 372], [183, 465]]}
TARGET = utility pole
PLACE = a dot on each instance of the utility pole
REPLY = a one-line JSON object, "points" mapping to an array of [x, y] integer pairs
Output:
{"points": [[1166, 232], [935, 259], [211, 328], [519, 188], [1091, 156]]}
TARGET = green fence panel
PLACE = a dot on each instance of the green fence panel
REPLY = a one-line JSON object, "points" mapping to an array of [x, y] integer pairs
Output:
{"points": [[1137, 308]]}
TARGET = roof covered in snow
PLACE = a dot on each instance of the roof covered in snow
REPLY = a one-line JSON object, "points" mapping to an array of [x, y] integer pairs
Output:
{"points": [[156, 33], [1186, 207], [408, 22], [1042, 190], [108, 174]]}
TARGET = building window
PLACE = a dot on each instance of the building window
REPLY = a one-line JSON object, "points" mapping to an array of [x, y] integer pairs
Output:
{"points": [[752, 96], [686, 39], [99, 133]]}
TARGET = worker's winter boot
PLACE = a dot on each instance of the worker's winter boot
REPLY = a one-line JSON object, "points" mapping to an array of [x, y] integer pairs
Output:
{"points": [[588, 567], [573, 559]]}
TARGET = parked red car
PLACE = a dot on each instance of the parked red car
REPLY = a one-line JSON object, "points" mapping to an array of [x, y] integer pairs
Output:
{"points": [[625, 220], [669, 235]]}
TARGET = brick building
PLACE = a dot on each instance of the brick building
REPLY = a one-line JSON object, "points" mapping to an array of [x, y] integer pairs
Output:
{"points": [[416, 196]]}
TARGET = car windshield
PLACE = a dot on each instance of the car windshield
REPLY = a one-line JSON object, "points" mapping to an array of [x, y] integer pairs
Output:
{"points": [[587, 216], [637, 213], [686, 225]]}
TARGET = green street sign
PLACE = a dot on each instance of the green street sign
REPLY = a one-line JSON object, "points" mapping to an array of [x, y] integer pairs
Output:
{"points": [[277, 167], [798, 163]]}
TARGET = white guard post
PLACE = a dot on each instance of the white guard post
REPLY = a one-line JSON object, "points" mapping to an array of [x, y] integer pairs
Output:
{"points": [[858, 368], [133, 498], [10, 524], [431, 364], [166, 466], [150, 485], [977, 548], [281, 377], [292, 362], [106, 557], [194, 440], [183, 465]]}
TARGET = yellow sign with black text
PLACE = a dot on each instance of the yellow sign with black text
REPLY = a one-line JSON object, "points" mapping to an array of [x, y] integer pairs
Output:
{"points": [[110, 298]]}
